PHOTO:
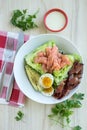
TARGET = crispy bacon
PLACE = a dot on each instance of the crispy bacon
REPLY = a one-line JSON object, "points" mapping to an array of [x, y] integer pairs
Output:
{"points": [[74, 78]]}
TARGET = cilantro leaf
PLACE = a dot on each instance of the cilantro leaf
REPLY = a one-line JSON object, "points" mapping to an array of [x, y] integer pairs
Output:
{"points": [[77, 128], [62, 112], [79, 96], [19, 116], [23, 20]]}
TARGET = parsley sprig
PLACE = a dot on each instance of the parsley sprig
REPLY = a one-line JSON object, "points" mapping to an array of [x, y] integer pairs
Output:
{"points": [[23, 20], [19, 116], [62, 112], [77, 128]]}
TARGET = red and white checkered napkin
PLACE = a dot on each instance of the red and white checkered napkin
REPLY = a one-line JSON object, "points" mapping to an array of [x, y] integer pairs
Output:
{"points": [[17, 97]]}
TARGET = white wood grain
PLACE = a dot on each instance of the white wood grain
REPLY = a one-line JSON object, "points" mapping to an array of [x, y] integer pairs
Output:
{"points": [[35, 117]]}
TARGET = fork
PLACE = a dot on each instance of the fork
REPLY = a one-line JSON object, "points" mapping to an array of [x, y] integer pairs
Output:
{"points": [[11, 79], [8, 54]]}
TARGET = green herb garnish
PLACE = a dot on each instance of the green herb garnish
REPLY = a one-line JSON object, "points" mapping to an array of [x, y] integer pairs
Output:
{"points": [[19, 116], [77, 128], [62, 112], [23, 20]]}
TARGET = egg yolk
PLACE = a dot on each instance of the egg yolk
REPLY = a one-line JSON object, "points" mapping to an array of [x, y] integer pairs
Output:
{"points": [[48, 90], [47, 82]]}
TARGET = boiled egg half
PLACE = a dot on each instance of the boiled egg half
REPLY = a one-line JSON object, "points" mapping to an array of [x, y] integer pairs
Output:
{"points": [[48, 91], [46, 81]]}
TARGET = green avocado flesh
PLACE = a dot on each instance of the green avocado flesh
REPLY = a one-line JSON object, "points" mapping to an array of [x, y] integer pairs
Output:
{"points": [[33, 77]]}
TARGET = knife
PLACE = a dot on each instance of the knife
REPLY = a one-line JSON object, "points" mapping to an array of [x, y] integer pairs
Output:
{"points": [[11, 80]]}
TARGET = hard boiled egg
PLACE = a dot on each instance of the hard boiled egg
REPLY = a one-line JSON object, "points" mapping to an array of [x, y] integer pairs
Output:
{"points": [[48, 91], [46, 80]]}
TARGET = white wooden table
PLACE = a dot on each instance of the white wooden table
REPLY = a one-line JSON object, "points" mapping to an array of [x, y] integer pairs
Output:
{"points": [[35, 114]]}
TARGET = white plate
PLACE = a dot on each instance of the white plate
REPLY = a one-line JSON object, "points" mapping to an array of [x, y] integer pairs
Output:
{"points": [[19, 72]]}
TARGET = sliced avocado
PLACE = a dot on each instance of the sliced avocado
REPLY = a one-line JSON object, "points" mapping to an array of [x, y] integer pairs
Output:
{"points": [[33, 77], [29, 58]]}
